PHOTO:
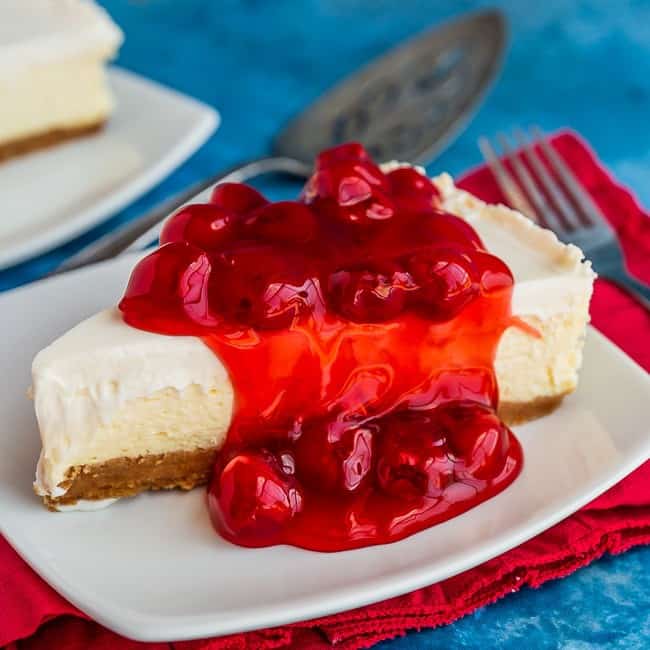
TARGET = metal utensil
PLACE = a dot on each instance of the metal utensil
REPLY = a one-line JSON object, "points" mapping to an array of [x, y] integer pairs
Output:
{"points": [[566, 207], [406, 105]]}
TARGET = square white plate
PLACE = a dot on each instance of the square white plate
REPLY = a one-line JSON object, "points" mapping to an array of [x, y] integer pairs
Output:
{"points": [[50, 196], [118, 564]]}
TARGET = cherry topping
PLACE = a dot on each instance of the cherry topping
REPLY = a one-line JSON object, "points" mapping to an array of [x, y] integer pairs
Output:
{"points": [[412, 459], [370, 296], [350, 186], [446, 279], [168, 291], [285, 221], [237, 197], [476, 436], [256, 286], [203, 225], [253, 498], [347, 151], [442, 228], [331, 460], [412, 190], [494, 274], [358, 327]]}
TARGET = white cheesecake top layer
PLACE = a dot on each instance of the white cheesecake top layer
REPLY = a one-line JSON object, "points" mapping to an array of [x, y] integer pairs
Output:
{"points": [[83, 379], [548, 273], [49, 31]]}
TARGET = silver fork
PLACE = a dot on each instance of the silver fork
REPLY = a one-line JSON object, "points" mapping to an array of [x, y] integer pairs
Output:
{"points": [[566, 207]]}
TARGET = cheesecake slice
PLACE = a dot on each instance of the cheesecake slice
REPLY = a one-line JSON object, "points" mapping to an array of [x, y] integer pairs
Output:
{"points": [[122, 410], [53, 86]]}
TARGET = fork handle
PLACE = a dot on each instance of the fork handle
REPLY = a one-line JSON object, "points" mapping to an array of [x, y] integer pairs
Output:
{"points": [[629, 283], [145, 229]]}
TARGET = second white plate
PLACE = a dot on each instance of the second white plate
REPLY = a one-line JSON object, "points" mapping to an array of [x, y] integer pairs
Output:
{"points": [[50, 196], [152, 568]]}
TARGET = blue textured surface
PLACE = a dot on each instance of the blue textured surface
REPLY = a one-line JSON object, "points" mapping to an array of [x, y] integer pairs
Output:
{"points": [[571, 63], [606, 605]]}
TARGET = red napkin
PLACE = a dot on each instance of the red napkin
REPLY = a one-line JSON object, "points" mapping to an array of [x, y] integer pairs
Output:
{"points": [[619, 519]]}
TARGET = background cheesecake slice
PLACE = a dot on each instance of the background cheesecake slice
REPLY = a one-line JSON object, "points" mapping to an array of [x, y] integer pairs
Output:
{"points": [[52, 71], [122, 410]]}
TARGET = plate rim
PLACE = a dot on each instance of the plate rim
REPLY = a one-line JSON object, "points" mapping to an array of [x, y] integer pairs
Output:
{"points": [[207, 121]]}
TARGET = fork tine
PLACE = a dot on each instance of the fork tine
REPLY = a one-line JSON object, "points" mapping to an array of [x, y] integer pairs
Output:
{"points": [[505, 181], [551, 187], [583, 200], [542, 206]]}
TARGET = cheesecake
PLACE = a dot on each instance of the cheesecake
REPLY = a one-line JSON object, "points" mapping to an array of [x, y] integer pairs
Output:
{"points": [[53, 55], [148, 395]]}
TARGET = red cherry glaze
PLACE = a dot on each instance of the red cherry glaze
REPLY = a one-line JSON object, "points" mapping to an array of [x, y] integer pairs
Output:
{"points": [[413, 458], [252, 498], [370, 296], [476, 437], [203, 225], [168, 291], [347, 151], [286, 222], [333, 461], [444, 227], [413, 191], [257, 286], [347, 207], [359, 329], [493, 274], [447, 281], [237, 197], [348, 185]]}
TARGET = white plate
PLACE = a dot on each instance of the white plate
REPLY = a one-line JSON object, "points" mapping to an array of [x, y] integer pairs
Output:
{"points": [[50, 196], [151, 567]]}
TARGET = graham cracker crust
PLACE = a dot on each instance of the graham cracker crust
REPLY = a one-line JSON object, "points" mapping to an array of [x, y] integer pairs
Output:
{"points": [[125, 477], [519, 412], [31, 143]]}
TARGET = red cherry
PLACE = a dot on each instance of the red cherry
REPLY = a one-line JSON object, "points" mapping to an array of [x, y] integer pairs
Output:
{"points": [[413, 191], [494, 274], [352, 190], [237, 197], [412, 458], [265, 287], [420, 232], [168, 291], [377, 208], [285, 221], [370, 296], [203, 225], [476, 436], [446, 280], [332, 461], [347, 151], [252, 499], [443, 229], [350, 181]]}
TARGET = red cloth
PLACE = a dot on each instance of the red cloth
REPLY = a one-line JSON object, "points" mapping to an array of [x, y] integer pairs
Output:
{"points": [[617, 520]]}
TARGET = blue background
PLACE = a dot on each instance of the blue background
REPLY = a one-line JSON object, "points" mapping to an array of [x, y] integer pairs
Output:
{"points": [[571, 63]]}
